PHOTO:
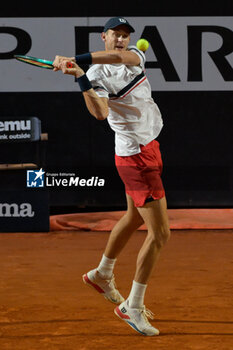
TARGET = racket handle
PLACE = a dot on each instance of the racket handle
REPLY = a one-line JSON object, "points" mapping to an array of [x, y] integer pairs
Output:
{"points": [[69, 65]]}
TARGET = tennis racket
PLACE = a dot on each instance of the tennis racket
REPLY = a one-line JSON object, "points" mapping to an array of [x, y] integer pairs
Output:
{"points": [[39, 62]]}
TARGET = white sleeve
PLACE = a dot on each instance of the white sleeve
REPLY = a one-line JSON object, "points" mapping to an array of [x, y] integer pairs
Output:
{"points": [[96, 83], [140, 54]]}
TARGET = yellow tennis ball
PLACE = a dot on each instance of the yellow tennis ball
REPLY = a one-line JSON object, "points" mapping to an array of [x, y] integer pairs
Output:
{"points": [[143, 44]]}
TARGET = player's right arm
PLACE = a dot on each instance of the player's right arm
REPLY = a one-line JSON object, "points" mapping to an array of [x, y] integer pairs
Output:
{"points": [[97, 106]]}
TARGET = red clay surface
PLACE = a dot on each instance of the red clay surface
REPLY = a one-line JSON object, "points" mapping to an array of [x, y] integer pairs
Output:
{"points": [[45, 305]]}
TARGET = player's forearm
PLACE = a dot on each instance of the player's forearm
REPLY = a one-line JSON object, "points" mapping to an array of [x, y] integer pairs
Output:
{"points": [[109, 57], [114, 56], [97, 106]]}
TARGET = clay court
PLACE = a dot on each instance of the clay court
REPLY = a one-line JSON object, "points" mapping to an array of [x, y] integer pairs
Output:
{"points": [[45, 305]]}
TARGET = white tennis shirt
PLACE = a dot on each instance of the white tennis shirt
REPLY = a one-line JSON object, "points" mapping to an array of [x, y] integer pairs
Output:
{"points": [[133, 115]]}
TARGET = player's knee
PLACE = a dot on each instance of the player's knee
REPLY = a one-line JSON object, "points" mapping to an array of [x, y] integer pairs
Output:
{"points": [[160, 236], [166, 233]]}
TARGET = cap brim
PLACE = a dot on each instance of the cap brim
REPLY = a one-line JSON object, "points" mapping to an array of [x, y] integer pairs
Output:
{"points": [[118, 25]]}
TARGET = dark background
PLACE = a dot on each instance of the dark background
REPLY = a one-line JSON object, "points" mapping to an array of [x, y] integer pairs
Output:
{"points": [[196, 141], [117, 8]]}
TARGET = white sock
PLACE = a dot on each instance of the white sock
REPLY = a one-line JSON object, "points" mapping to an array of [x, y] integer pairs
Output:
{"points": [[136, 296], [106, 267]]}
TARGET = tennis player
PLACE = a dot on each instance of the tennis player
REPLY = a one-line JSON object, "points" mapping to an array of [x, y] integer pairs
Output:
{"points": [[116, 87]]}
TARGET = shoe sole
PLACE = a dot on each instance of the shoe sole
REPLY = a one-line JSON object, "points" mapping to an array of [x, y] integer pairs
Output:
{"points": [[126, 319], [98, 289]]}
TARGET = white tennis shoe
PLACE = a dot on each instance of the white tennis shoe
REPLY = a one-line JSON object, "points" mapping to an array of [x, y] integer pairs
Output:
{"points": [[106, 287], [137, 318]]}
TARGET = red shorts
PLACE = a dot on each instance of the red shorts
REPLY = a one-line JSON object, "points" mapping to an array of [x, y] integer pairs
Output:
{"points": [[141, 173]]}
